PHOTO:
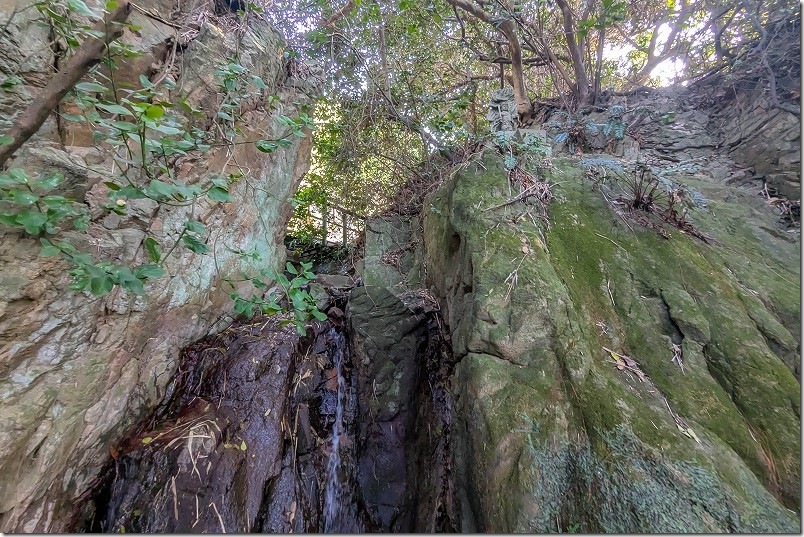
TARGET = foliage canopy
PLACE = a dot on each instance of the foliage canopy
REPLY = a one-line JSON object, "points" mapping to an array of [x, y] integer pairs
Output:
{"points": [[408, 79]]}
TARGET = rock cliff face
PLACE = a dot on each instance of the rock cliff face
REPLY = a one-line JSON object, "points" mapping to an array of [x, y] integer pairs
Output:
{"points": [[713, 125], [570, 410], [77, 370]]}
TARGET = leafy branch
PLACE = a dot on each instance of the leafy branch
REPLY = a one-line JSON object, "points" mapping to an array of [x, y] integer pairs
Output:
{"points": [[293, 292]]}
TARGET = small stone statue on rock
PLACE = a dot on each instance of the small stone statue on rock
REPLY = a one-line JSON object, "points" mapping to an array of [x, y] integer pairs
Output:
{"points": [[502, 110]]}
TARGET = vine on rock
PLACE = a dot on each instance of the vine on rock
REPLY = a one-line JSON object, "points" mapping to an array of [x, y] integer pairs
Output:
{"points": [[144, 132]]}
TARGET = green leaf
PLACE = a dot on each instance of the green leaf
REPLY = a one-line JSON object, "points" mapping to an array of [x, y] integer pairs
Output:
{"points": [[14, 176], [270, 309], [23, 197], [170, 131], [132, 193], [114, 109], [79, 284], [32, 221], [114, 187], [128, 281], [194, 226], [48, 182], [195, 245], [81, 8], [301, 329], [100, 285], [290, 268], [217, 193], [321, 316], [48, 248], [125, 126], [5, 139], [258, 82], [245, 307], [154, 249], [157, 188], [72, 117], [91, 87], [282, 280], [266, 146], [154, 111], [147, 272]]}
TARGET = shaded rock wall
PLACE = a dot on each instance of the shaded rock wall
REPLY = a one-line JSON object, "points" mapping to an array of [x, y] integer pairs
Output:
{"points": [[403, 365], [77, 370], [243, 439], [549, 434], [239, 444], [767, 140]]}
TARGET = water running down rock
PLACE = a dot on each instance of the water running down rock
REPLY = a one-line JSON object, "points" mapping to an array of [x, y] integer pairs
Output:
{"points": [[332, 488], [264, 431]]}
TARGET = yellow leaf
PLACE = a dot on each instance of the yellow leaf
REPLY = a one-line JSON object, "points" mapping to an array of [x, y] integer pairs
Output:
{"points": [[147, 440], [689, 432], [243, 445]]}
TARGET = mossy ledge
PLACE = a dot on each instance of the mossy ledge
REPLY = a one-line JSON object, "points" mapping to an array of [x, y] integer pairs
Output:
{"points": [[550, 435]]}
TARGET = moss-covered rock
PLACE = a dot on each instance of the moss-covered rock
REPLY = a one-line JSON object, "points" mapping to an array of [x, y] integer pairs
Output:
{"points": [[552, 433]]}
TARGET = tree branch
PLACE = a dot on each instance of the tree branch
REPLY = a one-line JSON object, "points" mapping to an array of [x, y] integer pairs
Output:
{"points": [[345, 9], [508, 29]]}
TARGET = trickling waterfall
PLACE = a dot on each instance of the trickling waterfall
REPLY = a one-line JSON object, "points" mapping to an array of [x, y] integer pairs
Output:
{"points": [[261, 431], [332, 491]]}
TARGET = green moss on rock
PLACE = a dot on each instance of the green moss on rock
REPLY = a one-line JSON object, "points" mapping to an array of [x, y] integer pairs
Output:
{"points": [[553, 435]]}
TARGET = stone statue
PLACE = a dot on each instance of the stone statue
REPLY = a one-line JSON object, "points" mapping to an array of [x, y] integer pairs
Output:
{"points": [[502, 110]]}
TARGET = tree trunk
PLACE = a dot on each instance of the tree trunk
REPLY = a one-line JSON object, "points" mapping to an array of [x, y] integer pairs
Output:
{"points": [[524, 107], [578, 66], [601, 38]]}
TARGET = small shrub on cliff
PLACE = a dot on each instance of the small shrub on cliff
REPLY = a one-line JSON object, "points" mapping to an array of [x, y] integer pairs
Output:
{"points": [[293, 292]]}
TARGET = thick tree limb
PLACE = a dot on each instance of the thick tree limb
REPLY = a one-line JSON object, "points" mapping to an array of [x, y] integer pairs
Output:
{"points": [[578, 65], [763, 56], [537, 62], [414, 126], [656, 57], [507, 28], [89, 53], [335, 17]]}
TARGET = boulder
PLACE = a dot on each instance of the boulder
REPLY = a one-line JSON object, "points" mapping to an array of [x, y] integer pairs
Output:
{"points": [[572, 410]]}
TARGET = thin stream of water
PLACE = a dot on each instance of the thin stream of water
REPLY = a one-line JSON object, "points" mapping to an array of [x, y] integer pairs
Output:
{"points": [[332, 491]]}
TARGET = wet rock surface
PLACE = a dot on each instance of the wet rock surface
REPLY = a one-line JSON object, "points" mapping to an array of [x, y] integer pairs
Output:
{"points": [[203, 462], [245, 437]]}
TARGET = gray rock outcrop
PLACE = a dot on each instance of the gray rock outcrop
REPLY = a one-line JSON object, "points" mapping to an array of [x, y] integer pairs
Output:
{"points": [[77, 370]]}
